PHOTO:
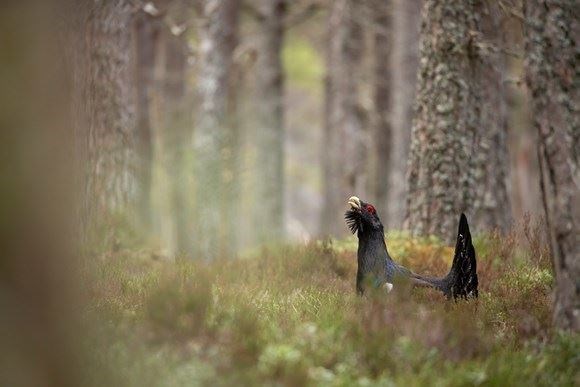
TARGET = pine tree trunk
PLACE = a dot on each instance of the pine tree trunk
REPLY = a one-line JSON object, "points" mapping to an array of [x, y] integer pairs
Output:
{"points": [[270, 122], [177, 133], [442, 171], [552, 49], [214, 136], [343, 144], [111, 177], [39, 293], [383, 136], [405, 63], [146, 37], [493, 205]]}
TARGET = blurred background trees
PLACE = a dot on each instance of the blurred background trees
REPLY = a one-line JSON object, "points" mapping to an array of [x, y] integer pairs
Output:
{"points": [[210, 127], [272, 23], [216, 138], [406, 21], [213, 126], [343, 143]]}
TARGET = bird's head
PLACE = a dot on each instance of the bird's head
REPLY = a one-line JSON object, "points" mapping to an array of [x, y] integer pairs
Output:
{"points": [[362, 217]]}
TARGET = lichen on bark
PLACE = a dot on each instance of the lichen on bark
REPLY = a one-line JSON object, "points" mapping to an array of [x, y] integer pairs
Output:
{"points": [[442, 170]]}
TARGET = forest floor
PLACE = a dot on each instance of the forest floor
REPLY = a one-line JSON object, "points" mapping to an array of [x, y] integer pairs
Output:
{"points": [[290, 316]]}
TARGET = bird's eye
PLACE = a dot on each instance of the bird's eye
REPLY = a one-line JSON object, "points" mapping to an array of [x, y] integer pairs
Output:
{"points": [[371, 209]]}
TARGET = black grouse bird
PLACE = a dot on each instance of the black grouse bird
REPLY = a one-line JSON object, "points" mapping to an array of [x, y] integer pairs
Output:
{"points": [[376, 268]]}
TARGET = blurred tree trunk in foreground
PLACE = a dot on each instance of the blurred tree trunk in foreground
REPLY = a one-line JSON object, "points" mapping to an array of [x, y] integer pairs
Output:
{"points": [[458, 149], [110, 140], [493, 208], [405, 60], [38, 333], [552, 50], [270, 121], [215, 135], [342, 146], [383, 136]]}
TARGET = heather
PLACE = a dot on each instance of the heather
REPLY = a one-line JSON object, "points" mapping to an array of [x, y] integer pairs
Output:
{"points": [[289, 315]]}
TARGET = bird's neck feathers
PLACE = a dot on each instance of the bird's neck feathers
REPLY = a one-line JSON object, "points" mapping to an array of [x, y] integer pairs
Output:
{"points": [[372, 235], [372, 253]]}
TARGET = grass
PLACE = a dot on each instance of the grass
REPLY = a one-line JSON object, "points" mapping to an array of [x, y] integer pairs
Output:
{"points": [[290, 316]]}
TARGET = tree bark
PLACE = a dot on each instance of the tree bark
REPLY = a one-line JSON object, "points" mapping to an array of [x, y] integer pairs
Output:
{"points": [[177, 132], [442, 173], [405, 63], [343, 142], [39, 296], [146, 39], [493, 205], [215, 135], [109, 106], [383, 136], [175, 126], [270, 122], [552, 49]]}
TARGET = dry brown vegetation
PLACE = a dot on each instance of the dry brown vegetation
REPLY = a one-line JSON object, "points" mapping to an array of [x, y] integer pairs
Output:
{"points": [[290, 315]]}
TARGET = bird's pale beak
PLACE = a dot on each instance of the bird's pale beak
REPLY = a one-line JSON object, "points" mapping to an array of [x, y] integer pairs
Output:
{"points": [[354, 202]]}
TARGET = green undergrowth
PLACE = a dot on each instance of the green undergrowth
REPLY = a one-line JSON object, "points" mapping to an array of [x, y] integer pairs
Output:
{"points": [[289, 316]]}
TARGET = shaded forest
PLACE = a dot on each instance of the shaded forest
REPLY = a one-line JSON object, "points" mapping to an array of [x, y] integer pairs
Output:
{"points": [[288, 109], [176, 174]]}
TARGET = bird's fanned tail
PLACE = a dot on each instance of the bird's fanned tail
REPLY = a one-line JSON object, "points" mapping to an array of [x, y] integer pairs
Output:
{"points": [[461, 282]]}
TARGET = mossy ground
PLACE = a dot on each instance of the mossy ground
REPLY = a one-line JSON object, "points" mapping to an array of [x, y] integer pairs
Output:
{"points": [[289, 316]]}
